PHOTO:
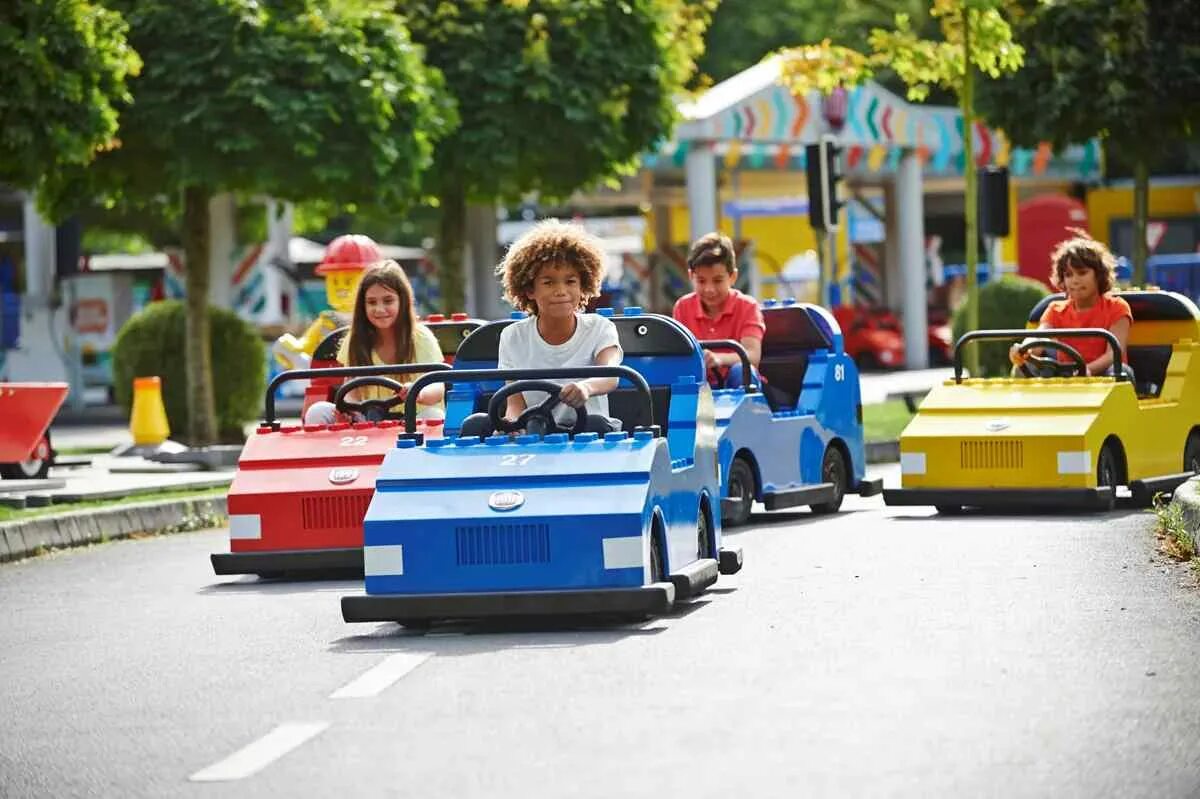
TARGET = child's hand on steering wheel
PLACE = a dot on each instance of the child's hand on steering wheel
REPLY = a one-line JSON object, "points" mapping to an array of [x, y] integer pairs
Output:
{"points": [[575, 394]]}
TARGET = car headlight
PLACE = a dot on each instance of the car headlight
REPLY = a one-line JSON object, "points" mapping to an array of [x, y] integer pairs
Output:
{"points": [[912, 463]]}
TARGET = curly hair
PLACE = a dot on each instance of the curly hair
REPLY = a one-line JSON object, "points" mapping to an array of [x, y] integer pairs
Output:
{"points": [[1083, 252], [551, 242]]}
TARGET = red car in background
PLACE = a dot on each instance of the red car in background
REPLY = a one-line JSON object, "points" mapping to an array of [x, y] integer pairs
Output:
{"points": [[874, 338]]}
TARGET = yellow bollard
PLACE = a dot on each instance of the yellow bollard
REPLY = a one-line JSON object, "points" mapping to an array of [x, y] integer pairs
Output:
{"points": [[148, 419]]}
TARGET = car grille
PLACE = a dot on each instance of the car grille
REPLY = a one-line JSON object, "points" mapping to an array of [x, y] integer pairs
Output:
{"points": [[991, 454], [502, 544], [342, 511]]}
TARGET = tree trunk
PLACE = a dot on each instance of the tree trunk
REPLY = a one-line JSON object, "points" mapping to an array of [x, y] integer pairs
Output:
{"points": [[1141, 211], [202, 421], [967, 100], [452, 233]]}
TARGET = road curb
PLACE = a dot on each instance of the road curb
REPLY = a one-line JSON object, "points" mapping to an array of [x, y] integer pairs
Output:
{"points": [[883, 451], [1187, 498], [28, 537]]}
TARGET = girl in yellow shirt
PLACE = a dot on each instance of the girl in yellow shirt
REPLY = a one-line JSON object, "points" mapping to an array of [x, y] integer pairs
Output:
{"points": [[385, 330]]}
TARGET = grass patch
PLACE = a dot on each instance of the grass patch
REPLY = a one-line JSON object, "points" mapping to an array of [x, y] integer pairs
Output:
{"points": [[1175, 540], [92, 450], [884, 421], [15, 514]]}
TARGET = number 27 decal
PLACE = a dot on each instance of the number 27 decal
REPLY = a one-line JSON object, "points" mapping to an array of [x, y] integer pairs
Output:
{"points": [[516, 460]]}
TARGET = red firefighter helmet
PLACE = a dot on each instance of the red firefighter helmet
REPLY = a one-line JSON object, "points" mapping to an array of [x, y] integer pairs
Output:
{"points": [[349, 253]]}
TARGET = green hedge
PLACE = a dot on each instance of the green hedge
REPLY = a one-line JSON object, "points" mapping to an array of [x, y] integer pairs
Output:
{"points": [[152, 343], [1003, 303]]}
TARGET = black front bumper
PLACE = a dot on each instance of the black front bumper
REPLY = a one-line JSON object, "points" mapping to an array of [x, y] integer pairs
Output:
{"points": [[1015, 499], [869, 487], [309, 562], [654, 599]]}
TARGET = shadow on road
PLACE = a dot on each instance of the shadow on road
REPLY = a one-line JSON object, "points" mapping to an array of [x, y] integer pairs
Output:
{"points": [[1052, 515], [775, 518], [281, 587], [474, 636]]}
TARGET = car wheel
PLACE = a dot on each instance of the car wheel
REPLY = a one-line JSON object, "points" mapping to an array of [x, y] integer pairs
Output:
{"points": [[657, 574], [833, 470], [37, 467], [1191, 453], [1108, 470], [703, 535], [741, 488]]}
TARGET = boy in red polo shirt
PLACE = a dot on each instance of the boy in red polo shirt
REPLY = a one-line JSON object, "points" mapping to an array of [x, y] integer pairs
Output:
{"points": [[715, 309], [1085, 271]]}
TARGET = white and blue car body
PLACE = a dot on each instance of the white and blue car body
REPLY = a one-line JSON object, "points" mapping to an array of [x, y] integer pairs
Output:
{"points": [[626, 523], [798, 438]]}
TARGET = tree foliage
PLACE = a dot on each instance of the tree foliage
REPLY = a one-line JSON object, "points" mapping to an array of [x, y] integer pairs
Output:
{"points": [[744, 31], [65, 65], [553, 95], [976, 35], [1126, 70], [291, 98]]}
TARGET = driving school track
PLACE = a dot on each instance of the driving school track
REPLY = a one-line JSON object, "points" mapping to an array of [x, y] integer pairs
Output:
{"points": [[877, 651]]}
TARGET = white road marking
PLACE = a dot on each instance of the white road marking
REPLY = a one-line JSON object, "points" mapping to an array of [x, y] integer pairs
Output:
{"points": [[258, 755], [380, 677]]}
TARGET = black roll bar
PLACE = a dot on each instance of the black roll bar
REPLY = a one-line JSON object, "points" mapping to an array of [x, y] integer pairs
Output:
{"points": [[342, 371], [1049, 332], [750, 385]]}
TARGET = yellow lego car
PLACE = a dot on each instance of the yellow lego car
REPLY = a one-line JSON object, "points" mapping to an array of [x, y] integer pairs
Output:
{"points": [[1068, 440]]}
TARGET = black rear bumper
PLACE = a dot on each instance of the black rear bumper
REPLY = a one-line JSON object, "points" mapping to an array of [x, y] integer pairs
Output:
{"points": [[1014, 499], [653, 599], [307, 562]]}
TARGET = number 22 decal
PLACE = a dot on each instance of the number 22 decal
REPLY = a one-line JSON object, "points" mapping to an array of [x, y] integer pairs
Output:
{"points": [[354, 441], [516, 460]]}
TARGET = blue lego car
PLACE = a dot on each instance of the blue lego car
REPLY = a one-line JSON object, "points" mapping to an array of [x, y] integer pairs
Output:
{"points": [[797, 439], [569, 522]]}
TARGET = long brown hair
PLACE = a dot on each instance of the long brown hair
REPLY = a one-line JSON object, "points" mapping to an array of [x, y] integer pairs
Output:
{"points": [[363, 336]]}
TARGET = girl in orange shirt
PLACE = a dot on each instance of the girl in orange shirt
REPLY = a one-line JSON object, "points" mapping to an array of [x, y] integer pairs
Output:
{"points": [[1084, 270]]}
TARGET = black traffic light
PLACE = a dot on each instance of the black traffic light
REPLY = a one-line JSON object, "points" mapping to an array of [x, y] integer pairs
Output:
{"points": [[824, 171], [993, 201]]}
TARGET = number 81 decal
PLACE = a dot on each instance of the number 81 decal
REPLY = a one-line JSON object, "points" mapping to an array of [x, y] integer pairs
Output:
{"points": [[839, 372]]}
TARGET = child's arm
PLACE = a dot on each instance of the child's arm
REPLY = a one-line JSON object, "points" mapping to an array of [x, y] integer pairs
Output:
{"points": [[516, 406], [576, 394], [1120, 329]]}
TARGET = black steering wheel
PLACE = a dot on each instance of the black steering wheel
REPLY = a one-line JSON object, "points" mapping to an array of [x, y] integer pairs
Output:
{"points": [[1055, 367], [372, 410], [542, 413]]}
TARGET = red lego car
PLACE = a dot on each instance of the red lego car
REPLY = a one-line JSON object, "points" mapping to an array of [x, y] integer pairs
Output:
{"points": [[297, 502]]}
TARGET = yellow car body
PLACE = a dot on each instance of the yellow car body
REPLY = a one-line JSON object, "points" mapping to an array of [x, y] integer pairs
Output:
{"points": [[1038, 442]]}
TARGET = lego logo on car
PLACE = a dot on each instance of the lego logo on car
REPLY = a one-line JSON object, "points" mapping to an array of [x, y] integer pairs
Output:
{"points": [[342, 476], [642, 330], [506, 500], [996, 425]]}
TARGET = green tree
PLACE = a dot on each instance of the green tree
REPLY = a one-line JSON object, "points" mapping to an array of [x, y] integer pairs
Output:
{"points": [[65, 65], [553, 95], [976, 36], [294, 99], [1126, 70], [744, 31]]}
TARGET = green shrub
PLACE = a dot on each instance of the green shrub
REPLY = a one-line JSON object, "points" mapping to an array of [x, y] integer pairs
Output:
{"points": [[1003, 303], [152, 343]]}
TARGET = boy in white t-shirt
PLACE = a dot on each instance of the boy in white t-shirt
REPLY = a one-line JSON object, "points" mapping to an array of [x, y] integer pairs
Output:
{"points": [[550, 273]]}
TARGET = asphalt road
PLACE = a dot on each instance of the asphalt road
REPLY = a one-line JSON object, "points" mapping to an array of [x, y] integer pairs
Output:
{"points": [[880, 652]]}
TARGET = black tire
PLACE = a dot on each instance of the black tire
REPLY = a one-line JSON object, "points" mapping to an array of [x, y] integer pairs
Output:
{"points": [[37, 467], [703, 535], [658, 573], [1108, 471], [949, 510], [1191, 453], [741, 487], [833, 470]]}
